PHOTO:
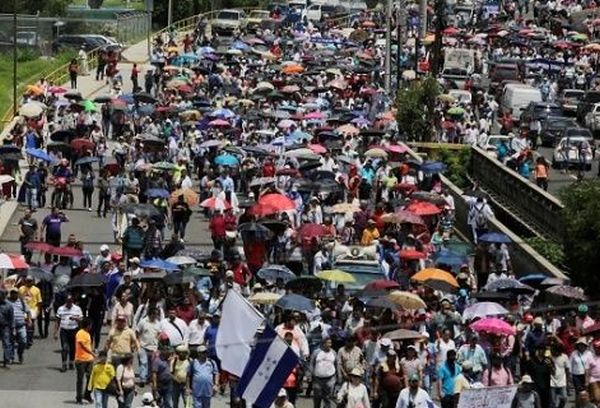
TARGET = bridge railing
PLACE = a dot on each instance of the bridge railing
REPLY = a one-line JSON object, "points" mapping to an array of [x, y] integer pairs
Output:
{"points": [[530, 202]]}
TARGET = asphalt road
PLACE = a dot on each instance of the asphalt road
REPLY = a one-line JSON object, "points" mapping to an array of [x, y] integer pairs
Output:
{"points": [[559, 179]]}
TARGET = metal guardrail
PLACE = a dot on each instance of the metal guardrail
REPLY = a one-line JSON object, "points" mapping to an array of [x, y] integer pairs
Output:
{"points": [[526, 199]]}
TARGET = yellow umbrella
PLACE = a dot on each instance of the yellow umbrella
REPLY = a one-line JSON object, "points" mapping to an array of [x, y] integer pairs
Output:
{"points": [[437, 279], [336, 275], [265, 298], [191, 114], [343, 208], [173, 49], [190, 196], [245, 102], [406, 300]]}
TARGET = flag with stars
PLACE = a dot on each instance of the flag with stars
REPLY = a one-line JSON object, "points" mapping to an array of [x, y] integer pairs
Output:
{"points": [[270, 364]]}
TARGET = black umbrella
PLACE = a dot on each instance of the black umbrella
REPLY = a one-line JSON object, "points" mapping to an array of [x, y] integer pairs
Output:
{"points": [[148, 276], [194, 253], [40, 274], [63, 136], [58, 146], [305, 283], [74, 95], [309, 165], [144, 97], [179, 277], [152, 140], [102, 99], [254, 227], [9, 149], [141, 210], [274, 225], [509, 285], [87, 280]]}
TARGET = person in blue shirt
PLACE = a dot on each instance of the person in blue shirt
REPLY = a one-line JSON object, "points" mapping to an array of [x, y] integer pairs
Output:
{"points": [[202, 379], [32, 185], [447, 374]]}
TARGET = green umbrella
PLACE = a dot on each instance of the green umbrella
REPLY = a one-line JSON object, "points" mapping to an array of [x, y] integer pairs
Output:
{"points": [[579, 37], [88, 105], [163, 166], [457, 111]]}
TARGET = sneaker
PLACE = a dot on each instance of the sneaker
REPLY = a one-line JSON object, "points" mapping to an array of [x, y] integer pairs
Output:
{"points": [[71, 366]]}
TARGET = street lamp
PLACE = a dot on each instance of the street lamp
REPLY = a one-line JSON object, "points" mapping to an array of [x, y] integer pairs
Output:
{"points": [[15, 57]]}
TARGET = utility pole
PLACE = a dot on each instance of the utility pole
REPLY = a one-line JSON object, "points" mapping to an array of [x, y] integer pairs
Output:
{"points": [[388, 48], [149, 10], [401, 35], [15, 107], [440, 11], [170, 14], [423, 19]]}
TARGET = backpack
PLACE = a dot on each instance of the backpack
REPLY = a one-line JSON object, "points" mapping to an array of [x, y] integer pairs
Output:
{"points": [[479, 217]]}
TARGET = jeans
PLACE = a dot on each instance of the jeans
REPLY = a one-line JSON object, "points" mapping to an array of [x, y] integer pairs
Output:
{"points": [[144, 358], [178, 393], [21, 339], [126, 399], [84, 368], [179, 228], [323, 392], [31, 195], [87, 197], [558, 396], [166, 396], [6, 333], [103, 204], [201, 402], [67, 345], [100, 399], [43, 322]]}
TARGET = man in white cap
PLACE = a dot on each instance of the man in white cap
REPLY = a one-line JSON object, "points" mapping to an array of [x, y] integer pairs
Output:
{"points": [[147, 400], [103, 257], [526, 396], [282, 400], [203, 379]]}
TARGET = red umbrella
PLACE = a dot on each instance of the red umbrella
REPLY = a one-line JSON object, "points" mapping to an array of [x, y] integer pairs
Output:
{"points": [[317, 148], [219, 123], [10, 261], [381, 284], [447, 124], [407, 217], [286, 172], [185, 89], [423, 208], [215, 203], [397, 148], [82, 144], [112, 168], [277, 201], [38, 246], [412, 254], [451, 31], [65, 251], [311, 230]]}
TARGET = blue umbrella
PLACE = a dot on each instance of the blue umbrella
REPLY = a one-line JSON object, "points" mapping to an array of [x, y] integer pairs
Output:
{"points": [[157, 193], [145, 110], [226, 160], [274, 272], [509, 285], [207, 50], [295, 302], [533, 278], [447, 257], [86, 160], [496, 237], [39, 154], [432, 167], [127, 98], [223, 113], [240, 45], [156, 263]]}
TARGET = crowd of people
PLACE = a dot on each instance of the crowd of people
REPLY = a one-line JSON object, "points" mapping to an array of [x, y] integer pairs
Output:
{"points": [[282, 147]]}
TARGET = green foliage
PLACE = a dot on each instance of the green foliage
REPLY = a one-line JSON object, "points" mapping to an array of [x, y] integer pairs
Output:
{"points": [[415, 105], [552, 251], [51, 8], [181, 10], [95, 4], [581, 217], [457, 162]]}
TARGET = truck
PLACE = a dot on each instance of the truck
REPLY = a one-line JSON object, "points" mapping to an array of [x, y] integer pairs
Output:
{"points": [[459, 59]]}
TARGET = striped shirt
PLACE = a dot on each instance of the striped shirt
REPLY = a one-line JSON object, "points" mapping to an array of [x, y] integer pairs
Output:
{"points": [[20, 311], [69, 317]]}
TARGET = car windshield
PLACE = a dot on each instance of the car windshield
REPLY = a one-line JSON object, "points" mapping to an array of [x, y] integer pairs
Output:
{"points": [[577, 132], [362, 274], [259, 14], [560, 123], [573, 94], [228, 15], [548, 110]]}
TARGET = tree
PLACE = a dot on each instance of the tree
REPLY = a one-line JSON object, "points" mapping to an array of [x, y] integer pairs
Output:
{"points": [[415, 105], [52, 8], [95, 4], [181, 10], [581, 217]]}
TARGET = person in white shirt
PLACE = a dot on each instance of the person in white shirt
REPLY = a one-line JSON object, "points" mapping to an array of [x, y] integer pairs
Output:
{"points": [[175, 328], [197, 328], [413, 396], [68, 316], [186, 181], [147, 332], [558, 378], [443, 345], [323, 371], [578, 362]]}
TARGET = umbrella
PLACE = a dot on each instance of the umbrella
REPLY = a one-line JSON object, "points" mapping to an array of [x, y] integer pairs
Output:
{"points": [[261, 181], [88, 105], [31, 110], [157, 193], [272, 203], [483, 309], [310, 230], [38, 246], [376, 152], [152, 275], [437, 279], [189, 196], [402, 217], [447, 257], [82, 144], [40, 274], [179, 277], [87, 280], [264, 298], [38, 154], [65, 251], [348, 130], [8, 261], [403, 334], [215, 203], [397, 148], [430, 197], [305, 283], [381, 302], [144, 97], [74, 95], [534, 279], [226, 160], [140, 210], [407, 300], [412, 254], [295, 302], [423, 208], [493, 325], [273, 272], [496, 237], [62, 136], [182, 260], [157, 263], [492, 296], [5, 178], [571, 292], [552, 282], [253, 228], [456, 111], [511, 285], [432, 167], [336, 275], [211, 143], [381, 284], [164, 166], [219, 123], [86, 160], [343, 208]]}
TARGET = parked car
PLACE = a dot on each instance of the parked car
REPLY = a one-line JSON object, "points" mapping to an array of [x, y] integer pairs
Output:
{"points": [[228, 22], [491, 143], [586, 104], [363, 266], [256, 18], [574, 151], [540, 110], [68, 41], [592, 118], [569, 99], [504, 72], [553, 127]]}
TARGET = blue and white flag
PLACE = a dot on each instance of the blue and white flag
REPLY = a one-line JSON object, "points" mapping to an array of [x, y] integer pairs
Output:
{"points": [[270, 364]]}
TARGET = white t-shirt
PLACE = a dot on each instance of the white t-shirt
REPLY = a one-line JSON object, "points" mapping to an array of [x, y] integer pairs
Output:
{"points": [[196, 332], [443, 348], [559, 376], [419, 400], [69, 317], [324, 363]]}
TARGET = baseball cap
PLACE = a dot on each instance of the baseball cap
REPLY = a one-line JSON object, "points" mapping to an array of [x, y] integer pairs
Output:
{"points": [[135, 260], [147, 398], [104, 247], [229, 274], [282, 393], [202, 349], [385, 342]]}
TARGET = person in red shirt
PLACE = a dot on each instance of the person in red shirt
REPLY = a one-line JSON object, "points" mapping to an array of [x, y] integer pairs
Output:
{"points": [[241, 273], [217, 230], [186, 311], [268, 169]]}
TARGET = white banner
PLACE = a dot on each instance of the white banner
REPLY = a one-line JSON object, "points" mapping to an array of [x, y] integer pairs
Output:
{"points": [[490, 397]]}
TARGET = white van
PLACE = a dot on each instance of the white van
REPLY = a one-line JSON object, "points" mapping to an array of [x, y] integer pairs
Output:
{"points": [[516, 97]]}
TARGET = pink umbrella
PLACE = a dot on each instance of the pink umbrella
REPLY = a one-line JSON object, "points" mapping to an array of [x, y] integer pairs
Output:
{"points": [[219, 123], [8, 261], [286, 123], [397, 148], [314, 115], [57, 90], [215, 204], [493, 325], [317, 148]]}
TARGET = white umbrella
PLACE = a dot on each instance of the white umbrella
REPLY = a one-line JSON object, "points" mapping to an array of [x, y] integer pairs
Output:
{"points": [[182, 260], [31, 110], [5, 178], [483, 309]]}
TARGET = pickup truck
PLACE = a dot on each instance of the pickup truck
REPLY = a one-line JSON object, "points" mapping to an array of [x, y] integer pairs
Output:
{"points": [[229, 22], [592, 119]]}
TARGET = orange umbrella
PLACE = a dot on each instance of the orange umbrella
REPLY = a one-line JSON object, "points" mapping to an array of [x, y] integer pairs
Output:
{"points": [[348, 130], [190, 196], [293, 69], [437, 279], [423, 208], [34, 90]]}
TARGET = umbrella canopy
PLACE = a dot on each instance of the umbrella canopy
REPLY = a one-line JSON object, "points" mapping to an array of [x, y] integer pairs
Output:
{"points": [[179, 277], [264, 298], [437, 279], [343, 208], [215, 203], [273, 272], [67, 252], [402, 217], [31, 110], [306, 283], [38, 154], [182, 260], [87, 280], [8, 261], [381, 284], [423, 208], [157, 193], [483, 309], [295, 302], [492, 325], [310, 230], [376, 152], [447, 257], [509, 285], [86, 160], [38, 246], [226, 160], [432, 167], [157, 263], [272, 203], [382, 302], [496, 237], [403, 334], [407, 300], [40, 274], [412, 254], [189, 196], [336, 275], [571, 292]]}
